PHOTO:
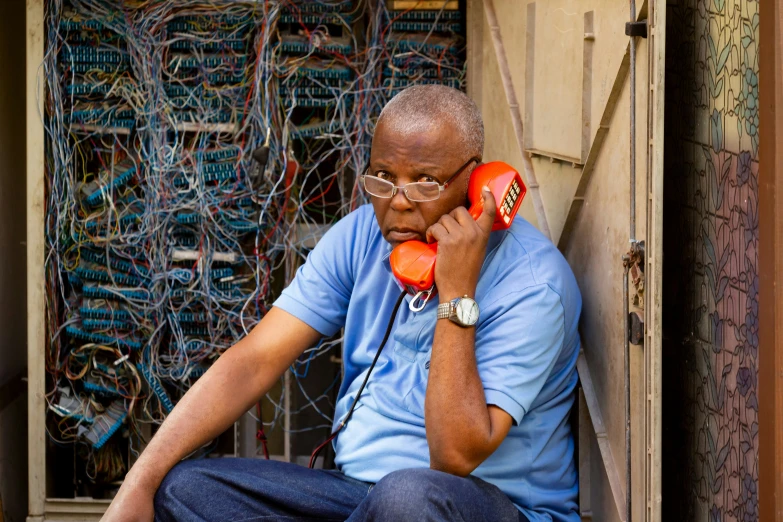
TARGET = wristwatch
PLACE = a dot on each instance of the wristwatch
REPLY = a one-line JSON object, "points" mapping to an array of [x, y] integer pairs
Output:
{"points": [[463, 311]]}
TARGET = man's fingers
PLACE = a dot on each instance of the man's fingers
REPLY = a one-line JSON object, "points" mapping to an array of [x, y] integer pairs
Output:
{"points": [[487, 217], [436, 232], [449, 223], [462, 216]]}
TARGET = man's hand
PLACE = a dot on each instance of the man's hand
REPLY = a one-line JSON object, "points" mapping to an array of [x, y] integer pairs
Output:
{"points": [[462, 245], [132, 504]]}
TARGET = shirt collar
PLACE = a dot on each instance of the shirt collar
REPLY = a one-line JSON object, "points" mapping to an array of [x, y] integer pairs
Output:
{"points": [[385, 259]]}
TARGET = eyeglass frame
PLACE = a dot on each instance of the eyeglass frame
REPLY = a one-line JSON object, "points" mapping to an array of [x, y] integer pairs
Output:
{"points": [[441, 186]]}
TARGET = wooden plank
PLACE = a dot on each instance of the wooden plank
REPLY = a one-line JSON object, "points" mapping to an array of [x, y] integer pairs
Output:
{"points": [[75, 510], [585, 443], [516, 118], [402, 5], [36, 333], [595, 151], [653, 363], [587, 84], [474, 36], [530, 71], [591, 400], [771, 261], [554, 156]]}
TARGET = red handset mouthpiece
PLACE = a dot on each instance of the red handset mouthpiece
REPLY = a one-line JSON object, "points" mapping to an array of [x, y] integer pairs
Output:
{"points": [[413, 262]]}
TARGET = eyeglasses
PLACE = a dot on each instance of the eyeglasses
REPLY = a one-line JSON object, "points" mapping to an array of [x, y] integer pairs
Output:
{"points": [[418, 191]]}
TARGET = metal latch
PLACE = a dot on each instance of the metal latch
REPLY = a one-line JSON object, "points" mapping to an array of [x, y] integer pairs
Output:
{"points": [[634, 266], [635, 263], [636, 28], [635, 329]]}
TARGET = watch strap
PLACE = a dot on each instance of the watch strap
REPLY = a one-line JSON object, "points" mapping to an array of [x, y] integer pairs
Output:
{"points": [[444, 310]]}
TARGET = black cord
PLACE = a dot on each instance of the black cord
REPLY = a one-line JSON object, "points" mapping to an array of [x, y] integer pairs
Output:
{"points": [[366, 378]]}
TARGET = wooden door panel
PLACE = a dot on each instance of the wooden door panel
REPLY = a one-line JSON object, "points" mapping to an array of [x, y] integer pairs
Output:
{"points": [[563, 67]]}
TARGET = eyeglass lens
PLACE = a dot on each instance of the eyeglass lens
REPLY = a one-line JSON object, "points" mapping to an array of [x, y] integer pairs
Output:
{"points": [[420, 191]]}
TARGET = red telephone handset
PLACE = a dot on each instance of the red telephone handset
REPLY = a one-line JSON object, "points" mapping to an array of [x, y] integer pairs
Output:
{"points": [[413, 262]]}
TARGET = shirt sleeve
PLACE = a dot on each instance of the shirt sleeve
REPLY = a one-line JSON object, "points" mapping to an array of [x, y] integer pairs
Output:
{"points": [[518, 345], [321, 289]]}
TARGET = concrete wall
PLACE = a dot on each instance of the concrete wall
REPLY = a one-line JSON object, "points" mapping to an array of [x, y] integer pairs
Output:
{"points": [[13, 349]]}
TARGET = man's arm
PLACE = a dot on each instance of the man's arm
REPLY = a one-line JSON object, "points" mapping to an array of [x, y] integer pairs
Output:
{"points": [[236, 381], [462, 430]]}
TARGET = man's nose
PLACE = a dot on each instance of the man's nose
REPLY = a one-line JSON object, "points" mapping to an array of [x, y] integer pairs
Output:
{"points": [[400, 202]]}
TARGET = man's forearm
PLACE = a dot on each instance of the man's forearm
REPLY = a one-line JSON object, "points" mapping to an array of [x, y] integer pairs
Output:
{"points": [[219, 397], [456, 417], [236, 381]]}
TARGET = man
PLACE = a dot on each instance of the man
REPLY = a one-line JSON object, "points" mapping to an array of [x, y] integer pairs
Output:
{"points": [[458, 421]]}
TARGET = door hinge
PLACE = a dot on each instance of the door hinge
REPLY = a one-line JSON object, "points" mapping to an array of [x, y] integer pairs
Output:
{"points": [[636, 28]]}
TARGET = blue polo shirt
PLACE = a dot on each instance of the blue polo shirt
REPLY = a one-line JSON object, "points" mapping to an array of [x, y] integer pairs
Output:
{"points": [[526, 349]]}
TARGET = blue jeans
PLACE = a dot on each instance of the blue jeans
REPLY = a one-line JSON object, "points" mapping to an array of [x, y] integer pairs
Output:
{"points": [[267, 490]]}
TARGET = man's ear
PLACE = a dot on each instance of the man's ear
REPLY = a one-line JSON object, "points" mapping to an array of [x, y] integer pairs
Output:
{"points": [[465, 188], [467, 182]]}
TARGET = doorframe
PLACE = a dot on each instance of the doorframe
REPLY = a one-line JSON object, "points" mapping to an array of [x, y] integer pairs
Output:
{"points": [[771, 260]]}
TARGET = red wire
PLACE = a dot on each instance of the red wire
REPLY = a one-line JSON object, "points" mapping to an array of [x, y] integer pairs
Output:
{"points": [[321, 446]]}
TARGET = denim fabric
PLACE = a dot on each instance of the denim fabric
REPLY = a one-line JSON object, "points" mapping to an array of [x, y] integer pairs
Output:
{"points": [[267, 490]]}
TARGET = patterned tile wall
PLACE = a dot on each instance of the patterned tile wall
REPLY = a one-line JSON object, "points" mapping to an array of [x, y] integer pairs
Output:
{"points": [[711, 261]]}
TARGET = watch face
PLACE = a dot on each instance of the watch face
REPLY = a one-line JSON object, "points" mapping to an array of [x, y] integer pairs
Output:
{"points": [[467, 311]]}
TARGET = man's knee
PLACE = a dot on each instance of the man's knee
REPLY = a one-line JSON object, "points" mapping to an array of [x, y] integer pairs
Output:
{"points": [[407, 494], [177, 486]]}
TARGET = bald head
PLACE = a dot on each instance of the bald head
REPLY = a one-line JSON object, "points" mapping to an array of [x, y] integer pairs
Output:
{"points": [[420, 107]]}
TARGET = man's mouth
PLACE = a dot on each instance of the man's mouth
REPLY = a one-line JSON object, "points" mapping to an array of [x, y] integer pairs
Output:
{"points": [[400, 235]]}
